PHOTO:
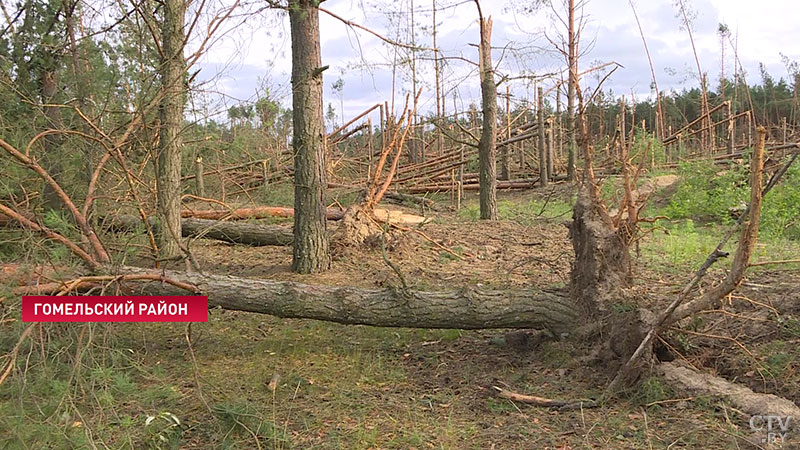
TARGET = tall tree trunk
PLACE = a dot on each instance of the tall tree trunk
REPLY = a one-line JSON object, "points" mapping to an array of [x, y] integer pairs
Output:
{"points": [[440, 101], [168, 164], [573, 79], [544, 176], [311, 249], [487, 146]]}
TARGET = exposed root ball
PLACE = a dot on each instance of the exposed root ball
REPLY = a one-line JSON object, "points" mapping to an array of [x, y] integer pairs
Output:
{"points": [[355, 228]]}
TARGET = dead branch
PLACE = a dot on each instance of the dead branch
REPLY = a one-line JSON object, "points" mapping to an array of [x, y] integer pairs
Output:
{"points": [[384, 39], [12, 356], [80, 219], [50, 234], [542, 401]]}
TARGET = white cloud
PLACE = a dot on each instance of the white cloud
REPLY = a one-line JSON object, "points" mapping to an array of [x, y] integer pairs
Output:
{"points": [[263, 47]]}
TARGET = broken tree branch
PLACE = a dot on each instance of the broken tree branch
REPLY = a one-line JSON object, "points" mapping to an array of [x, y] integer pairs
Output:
{"points": [[674, 311]]}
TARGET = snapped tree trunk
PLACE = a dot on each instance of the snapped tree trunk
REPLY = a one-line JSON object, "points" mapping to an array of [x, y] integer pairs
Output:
{"points": [[602, 266], [200, 185], [602, 261], [168, 163], [544, 178], [311, 249], [473, 308], [487, 146]]}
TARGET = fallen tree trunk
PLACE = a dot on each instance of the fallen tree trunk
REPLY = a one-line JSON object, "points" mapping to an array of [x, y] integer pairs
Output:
{"points": [[239, 233], [516, 184], [236, 232], [743, 398], [400, 197], [259, 212], [473, 308]]}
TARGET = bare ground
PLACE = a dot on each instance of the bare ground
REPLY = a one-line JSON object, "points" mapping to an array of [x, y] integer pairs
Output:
{"points": [[359, 387]]}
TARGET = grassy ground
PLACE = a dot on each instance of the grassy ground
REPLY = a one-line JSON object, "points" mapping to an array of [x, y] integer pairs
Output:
{"points": [[262, 382]]}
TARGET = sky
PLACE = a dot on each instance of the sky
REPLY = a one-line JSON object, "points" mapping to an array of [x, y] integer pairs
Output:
{"points": [[254, 55]]}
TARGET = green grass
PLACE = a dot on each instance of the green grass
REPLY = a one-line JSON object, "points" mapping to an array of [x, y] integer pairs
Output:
{"points": [[674, 246], [353, 386], [339, 387], [524, 212], [707, 193]]}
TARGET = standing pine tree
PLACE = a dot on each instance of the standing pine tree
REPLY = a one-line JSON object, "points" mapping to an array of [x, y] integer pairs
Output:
{"points": [[311, 251], [168, 164]]}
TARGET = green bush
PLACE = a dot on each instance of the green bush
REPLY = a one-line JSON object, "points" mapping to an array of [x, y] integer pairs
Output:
{"points": [[647, 146], [707, 193]]}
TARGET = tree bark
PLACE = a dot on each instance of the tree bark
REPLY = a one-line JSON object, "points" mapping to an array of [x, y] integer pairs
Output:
{"points": [[544, 178], [236, 232], [168, 163], [473, 308], [259, 212], [311, 249], [696, 383], [572, 60], [487, 146], [602, 261]]}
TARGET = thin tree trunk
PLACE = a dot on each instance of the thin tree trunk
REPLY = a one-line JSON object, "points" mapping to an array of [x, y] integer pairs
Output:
{"points": [[168, 165], [200, 185], [440, 100], [559, 121], [311, 249], [543, 175], [573, 79], [79, 73], [550, 148], [487, 146], [659, 111], [505, 153]]}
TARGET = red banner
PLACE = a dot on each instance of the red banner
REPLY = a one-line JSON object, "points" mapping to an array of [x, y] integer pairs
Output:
{"points": [[44, 308]]}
